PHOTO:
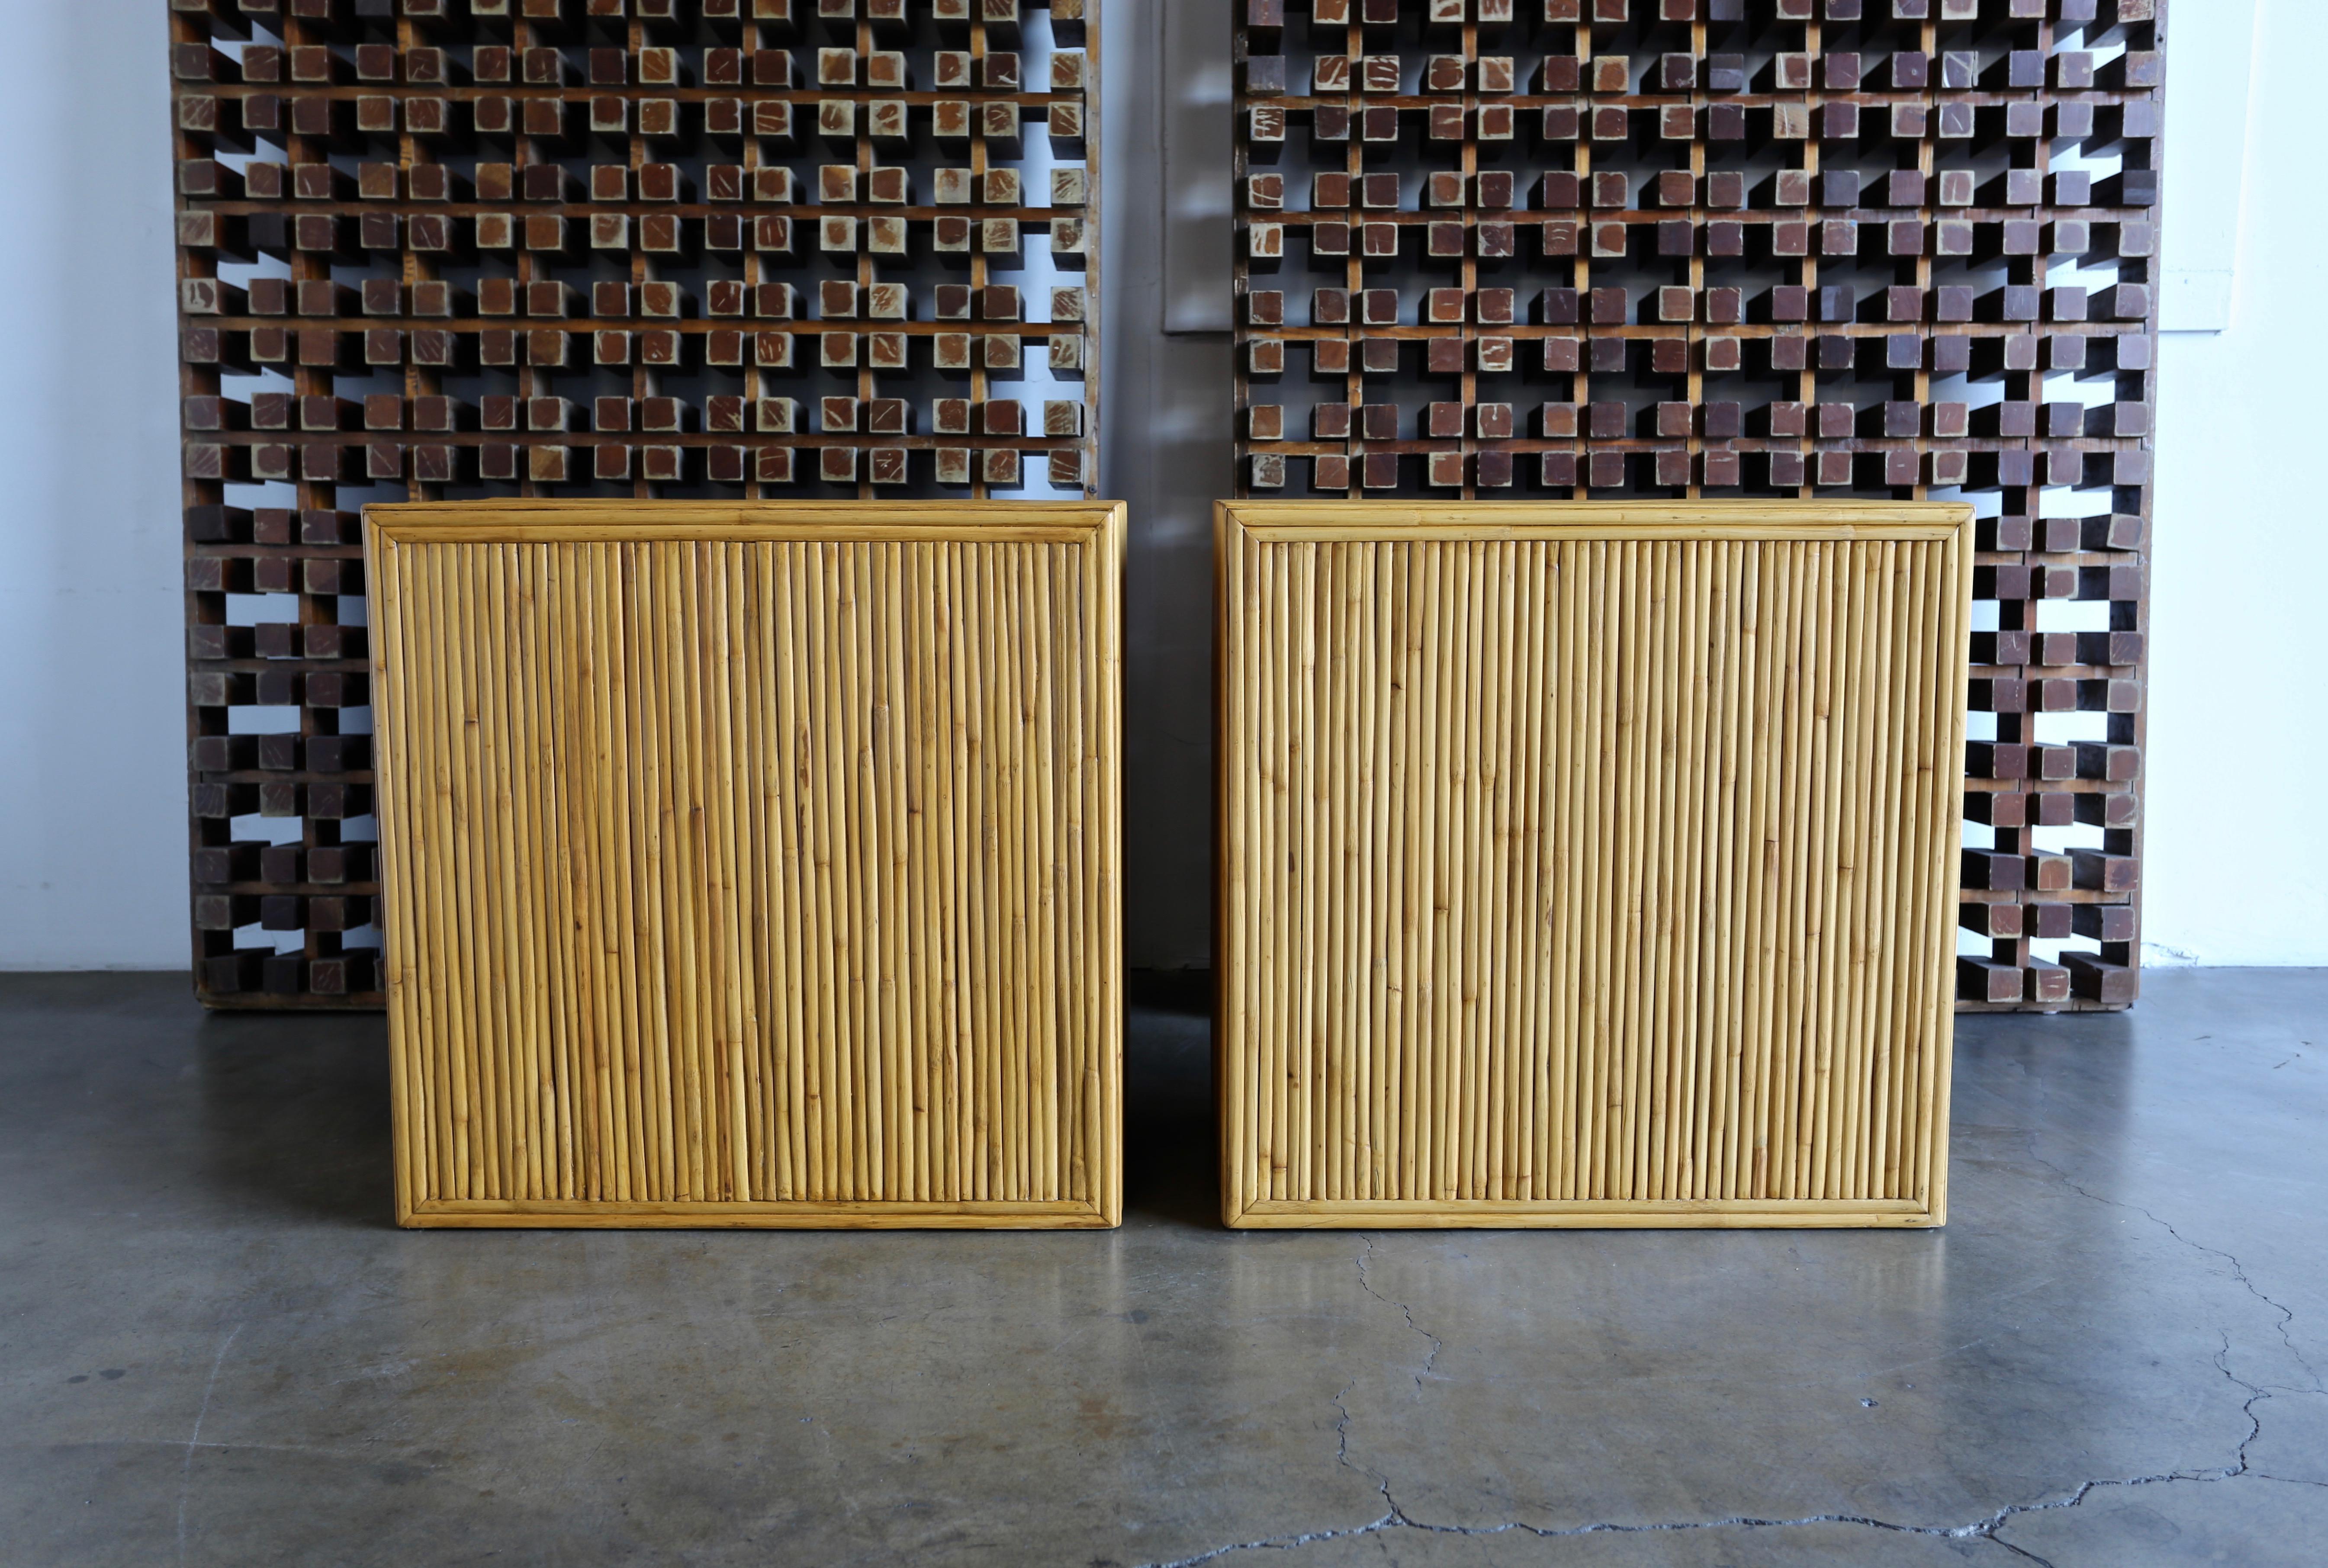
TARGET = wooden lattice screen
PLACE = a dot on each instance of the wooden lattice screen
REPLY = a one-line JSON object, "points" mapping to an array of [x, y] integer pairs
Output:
{"points": [[446, 249], [1532, 248]]}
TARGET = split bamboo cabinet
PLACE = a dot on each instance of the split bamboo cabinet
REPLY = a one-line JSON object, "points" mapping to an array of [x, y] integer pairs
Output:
{"points": [[751, 865], [1588, 865]]}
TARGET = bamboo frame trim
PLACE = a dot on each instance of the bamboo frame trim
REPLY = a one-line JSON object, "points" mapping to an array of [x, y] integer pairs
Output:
{"points": [[441, 1214], [1799, 723], [1283, 521], [648, 533], [549, 521], [743, 514], [680, 802], [1485, 1214]]}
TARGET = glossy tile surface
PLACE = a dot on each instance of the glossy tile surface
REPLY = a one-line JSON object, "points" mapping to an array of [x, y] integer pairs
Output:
{"points": [[214, 1348]]}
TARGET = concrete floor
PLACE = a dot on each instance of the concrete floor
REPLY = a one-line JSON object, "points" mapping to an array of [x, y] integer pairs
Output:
{"points": [[214, 1348]]}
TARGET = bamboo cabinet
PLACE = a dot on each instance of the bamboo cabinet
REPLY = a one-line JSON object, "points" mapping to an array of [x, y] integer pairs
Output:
{"points": [[1588, 864], [751, 865]]}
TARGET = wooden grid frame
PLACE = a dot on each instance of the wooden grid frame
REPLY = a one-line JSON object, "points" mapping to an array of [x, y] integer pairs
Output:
{"points": [[1588, 864], [447, 248], [752, 866], [1887, 248]]}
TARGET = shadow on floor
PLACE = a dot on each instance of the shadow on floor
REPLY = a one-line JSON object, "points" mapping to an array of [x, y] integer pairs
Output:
{"points": [[295, 1111], [1171, 1169]]}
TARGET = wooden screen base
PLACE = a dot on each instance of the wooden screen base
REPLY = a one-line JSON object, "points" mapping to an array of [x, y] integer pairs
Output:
{"points": [[1588, 864], [751, 865]]}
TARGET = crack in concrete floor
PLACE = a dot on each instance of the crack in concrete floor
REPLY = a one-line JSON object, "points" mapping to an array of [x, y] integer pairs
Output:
{"points": [[1366, 1284], [1397, 1518], [2238, 1270], [1985, 1529]]}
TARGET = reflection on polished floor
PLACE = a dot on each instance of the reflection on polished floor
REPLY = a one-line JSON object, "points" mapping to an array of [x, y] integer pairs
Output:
{"points": [[216, 1350]]}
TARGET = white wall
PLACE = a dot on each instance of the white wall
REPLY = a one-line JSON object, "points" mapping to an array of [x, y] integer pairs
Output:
{"points": [[92, 794], [92, 721], [2237, 829]]}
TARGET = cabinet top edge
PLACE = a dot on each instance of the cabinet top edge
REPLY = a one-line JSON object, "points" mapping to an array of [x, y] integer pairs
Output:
{"points": [[1284, 521], [543, 521]]}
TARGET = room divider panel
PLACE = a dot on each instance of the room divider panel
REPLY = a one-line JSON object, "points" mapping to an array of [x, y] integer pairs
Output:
{"points": [[1894, 250], [751, 866], [437, 250], [1590, 864]]}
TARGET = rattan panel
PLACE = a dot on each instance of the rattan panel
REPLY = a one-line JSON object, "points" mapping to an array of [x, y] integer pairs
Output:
{"points": [[1588, 865], [752, 868]]}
